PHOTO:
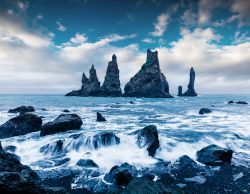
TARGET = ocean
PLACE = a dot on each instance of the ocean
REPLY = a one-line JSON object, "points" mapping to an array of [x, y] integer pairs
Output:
{"points": [[182, 131]]}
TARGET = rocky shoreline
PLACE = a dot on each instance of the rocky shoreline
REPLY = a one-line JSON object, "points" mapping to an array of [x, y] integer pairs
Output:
{"points": [[215, 170]]}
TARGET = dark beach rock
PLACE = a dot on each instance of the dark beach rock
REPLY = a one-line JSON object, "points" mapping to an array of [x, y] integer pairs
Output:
{"points": [[131, 102], [121, 175], [90, 87], [111, 85], [149, 82], [104, 139], [204, 111], [17, 178], [214, 155], [54, 148], [66, 111], [21, 125], [145, 185], [23, 109], [191, 91], [10, 148], [230, 102], [63, 122], [148, 137], [241, 102], [99, 117], [86, 163], [179, 91]]}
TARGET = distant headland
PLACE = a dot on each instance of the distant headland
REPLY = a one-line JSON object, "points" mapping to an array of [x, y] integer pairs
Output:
{"points": [[148, 82]]}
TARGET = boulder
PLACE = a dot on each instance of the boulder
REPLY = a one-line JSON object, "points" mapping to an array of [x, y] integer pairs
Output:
{"points": [[104, 139], [23, 109], [21, 125], [241, 102], [10, 148], [54, 148], [149, 82], [99, 117], [214, 155], [90, 87], [145, 185], [148, 137], [62, 123], [17, 178], [230, 102], [179, 91], [111, 85], [121, 175], [87, 163], [204, 111], [66, 111], [191, 91]]}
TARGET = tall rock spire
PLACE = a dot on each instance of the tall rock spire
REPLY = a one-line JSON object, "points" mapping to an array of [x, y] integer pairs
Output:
{"points": [[191, 91], [90, 87], [149, 82], [111, 85]]}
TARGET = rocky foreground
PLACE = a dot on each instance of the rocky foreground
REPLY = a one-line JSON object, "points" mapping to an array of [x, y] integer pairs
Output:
{"points": [[216, 169]]}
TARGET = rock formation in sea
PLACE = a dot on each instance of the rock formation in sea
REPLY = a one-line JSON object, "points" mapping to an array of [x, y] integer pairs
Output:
{"points": [[191, 91], [111, 85], [99, 117], [149, 82], [90, 86], [179, 91]]}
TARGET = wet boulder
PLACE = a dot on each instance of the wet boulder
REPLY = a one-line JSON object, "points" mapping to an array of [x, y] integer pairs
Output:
{"points": [[104, 139], [87, 163], [148, 137], [62, 123], [230, 102], [21, 125], [23, 109], [18, 178], [99, 117], [214, 155], [66, 111], [241, 102], [54, 148], [204, 111], [121, 175]]}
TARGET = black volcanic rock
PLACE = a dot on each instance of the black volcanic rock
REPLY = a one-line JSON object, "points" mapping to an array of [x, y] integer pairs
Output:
{"points": [[204, 111], [99, 117], [241, 102], [214, 155], [230, 102], [63, 122], [90, 87], [179, 91], [148, 137], [87, 163], [111, 85], [16, 178], [191, 91], [23, 109], [149, 82], [21, 125]]}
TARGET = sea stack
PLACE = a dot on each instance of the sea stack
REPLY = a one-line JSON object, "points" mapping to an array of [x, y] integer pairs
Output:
{"points": [[149, 82], [191, 91], [90, 87], [179, 91], [111, 85]]}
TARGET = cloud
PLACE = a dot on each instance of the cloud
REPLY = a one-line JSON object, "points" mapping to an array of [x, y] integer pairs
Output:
{"points": [[39, 16], [160, 25], [148, 40], [60, 27], [242, 10], [22, 5]]}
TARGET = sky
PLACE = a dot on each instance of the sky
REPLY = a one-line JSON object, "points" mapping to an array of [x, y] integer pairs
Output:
{"points": [[45, 46]]}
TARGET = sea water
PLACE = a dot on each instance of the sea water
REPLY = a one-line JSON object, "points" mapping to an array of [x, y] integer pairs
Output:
{"points": [[182, 131]]}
